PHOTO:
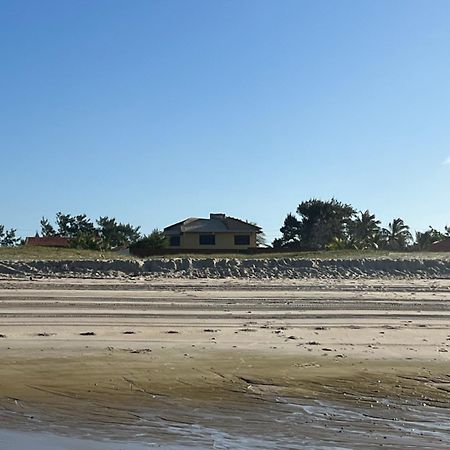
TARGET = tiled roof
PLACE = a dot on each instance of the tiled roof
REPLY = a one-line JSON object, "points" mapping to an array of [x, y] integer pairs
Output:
{"points": [[215, 224], [49, 241], [441, 246]]}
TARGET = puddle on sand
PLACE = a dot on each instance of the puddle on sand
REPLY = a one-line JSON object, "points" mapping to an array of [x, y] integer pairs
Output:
{"points": [[282, 423], [18, 440]]}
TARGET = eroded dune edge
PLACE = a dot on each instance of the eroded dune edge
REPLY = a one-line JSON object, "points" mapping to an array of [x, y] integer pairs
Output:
{"points": [[235, 267]]}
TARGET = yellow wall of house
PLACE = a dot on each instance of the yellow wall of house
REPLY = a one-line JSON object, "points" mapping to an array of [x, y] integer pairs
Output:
{"points": [[224, 241]]}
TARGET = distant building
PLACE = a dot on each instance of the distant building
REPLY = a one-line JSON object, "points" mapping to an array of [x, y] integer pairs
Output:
{"points": [[219, 232], [48, 241], [441, 246]]}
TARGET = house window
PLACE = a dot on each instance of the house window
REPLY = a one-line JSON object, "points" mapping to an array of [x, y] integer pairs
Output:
{"points": [[242, 240], [207, 239], [174, 241]]}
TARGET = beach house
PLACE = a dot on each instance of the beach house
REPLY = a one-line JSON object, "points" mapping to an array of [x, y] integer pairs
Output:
{"points": [[219, 232]]}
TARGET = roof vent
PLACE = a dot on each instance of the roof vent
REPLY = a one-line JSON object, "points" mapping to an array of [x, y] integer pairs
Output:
{"points": [[219, 216]]}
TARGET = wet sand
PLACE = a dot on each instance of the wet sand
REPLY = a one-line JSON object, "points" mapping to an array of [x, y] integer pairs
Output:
{"points": [[231, 363]]}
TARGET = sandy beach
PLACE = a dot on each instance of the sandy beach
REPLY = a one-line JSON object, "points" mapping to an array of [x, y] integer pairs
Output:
{"points": [[145, 360]]}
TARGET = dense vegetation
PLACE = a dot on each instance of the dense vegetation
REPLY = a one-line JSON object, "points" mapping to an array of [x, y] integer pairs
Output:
{"points": [[105, 234], [150, 244], [316, 225], [332, 225], [8, 238]]}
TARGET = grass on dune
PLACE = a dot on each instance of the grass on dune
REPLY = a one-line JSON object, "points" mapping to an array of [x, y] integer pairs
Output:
{"points": [[25, 253], [30, 253], [331, 254]]}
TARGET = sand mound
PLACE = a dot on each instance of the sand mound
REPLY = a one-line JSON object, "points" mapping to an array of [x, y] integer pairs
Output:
{"points": [[235, 268]]}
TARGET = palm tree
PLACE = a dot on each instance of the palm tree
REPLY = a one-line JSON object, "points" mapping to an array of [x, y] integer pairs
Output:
{"points": [[397, 235], [364, 231], [427, 238]]}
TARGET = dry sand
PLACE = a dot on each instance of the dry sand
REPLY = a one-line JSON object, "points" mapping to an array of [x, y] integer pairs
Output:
{"points": [[98, 352]]}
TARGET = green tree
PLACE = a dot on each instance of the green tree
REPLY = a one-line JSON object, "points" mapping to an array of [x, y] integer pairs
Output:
{"points": [[83, 233], [71, 226], [86, 241], [338, 244], [8, 238], [424, 240], [291, 233], [260, 237], [397, 236], [319, 224], [47, 228], [364, 231], [114, 234], [150, 244]]}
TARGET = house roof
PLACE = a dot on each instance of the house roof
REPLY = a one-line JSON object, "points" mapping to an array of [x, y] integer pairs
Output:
{"points": [[48, 241], [441, 246], [217, 223]]}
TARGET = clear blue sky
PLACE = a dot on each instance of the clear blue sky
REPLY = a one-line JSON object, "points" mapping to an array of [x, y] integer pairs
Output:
{"points": [[153, 111]]}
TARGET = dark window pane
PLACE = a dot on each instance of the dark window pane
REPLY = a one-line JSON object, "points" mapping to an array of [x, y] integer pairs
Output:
{"points": [[207, 239], [175, 241], [242, 240]]}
